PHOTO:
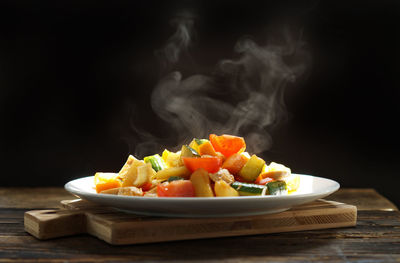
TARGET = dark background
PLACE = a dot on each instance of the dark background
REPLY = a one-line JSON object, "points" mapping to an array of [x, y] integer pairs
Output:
{"points": [[72, 71]]}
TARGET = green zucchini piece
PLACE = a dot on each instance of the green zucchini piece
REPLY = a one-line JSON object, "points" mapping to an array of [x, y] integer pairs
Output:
{"points": [[248, 189], [157, 163], [188, 151], [200, 141], [252, 169], [175, 178], [277, 188]]}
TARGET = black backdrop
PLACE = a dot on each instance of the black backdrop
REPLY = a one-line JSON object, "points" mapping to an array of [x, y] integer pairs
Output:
{"points": [[71, 71]]}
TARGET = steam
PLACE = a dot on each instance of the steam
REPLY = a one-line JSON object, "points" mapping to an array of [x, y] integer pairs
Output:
{"points": [[244, 97]]}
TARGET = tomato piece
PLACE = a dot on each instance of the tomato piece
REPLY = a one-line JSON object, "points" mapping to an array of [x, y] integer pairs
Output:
{"points": [[178, 188], [227, 144], [147, 186], [210, 164]]}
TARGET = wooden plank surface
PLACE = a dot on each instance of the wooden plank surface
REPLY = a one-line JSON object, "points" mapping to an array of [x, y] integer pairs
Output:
{"points": [[32, 197], [376, 238], [118, 228], [363, 198]]}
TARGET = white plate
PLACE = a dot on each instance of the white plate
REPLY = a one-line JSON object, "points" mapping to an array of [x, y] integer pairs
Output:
{"points": [[311, 188]]}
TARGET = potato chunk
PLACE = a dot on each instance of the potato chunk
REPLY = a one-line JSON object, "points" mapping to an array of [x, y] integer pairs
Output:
{"points": [[128, 173], [201, 183], [166, 173], [221, 188]]}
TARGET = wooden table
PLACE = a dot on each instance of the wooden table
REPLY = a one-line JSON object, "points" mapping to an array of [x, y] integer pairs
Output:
{"points": [[376, 238]]}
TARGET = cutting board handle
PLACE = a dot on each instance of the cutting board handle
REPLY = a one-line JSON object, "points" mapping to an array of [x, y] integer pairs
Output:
{"points": [[45, 224]]}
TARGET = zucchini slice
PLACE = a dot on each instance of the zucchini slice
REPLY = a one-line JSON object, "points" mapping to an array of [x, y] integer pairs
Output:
{"points": [[248, 189], [277, 188], [175, 178], [156, 162], [252, 169], [188, 151]]}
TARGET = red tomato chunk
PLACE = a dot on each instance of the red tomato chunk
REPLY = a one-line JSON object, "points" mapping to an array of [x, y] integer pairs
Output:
{"points": [[210, 164], [179, 188]]}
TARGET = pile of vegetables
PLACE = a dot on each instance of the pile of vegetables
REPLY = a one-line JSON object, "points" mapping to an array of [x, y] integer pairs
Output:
{"points": [[216, 167]]}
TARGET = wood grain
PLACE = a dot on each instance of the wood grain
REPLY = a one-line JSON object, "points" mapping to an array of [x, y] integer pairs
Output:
{"points": [[376, 238], [119, 228], [32, 197], [364, 199]]}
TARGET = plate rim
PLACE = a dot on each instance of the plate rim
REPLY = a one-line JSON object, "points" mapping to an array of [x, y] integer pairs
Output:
{"points": [[73, 190]]}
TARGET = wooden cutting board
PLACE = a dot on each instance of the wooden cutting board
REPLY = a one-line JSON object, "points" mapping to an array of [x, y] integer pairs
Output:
{"points": [[119, 228]]}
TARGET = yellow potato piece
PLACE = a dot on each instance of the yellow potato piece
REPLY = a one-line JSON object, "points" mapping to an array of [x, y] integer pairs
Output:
{"points": [[171, 159], [172, 171], [144, 173], [221, 188], [128, 172], [201, 183]]}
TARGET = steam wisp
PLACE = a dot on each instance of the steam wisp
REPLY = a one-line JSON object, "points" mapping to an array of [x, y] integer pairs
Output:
{"points": [[252, 88]]}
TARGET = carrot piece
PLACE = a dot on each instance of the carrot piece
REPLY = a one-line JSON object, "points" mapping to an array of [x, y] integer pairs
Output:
{"points": [[235, 162], [104, 181], [107, 185], [227, 144], [206, 148]]}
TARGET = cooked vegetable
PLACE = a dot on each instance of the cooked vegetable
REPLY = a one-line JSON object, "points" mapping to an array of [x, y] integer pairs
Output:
{"points": [[204, 168], [252, 169], [156, 162], [292, 182], [174, 178], [201, 183], [200, 141], [172, 159], [221, 188], [181, 171], [147, 186], [235, 162], [227, 144], [248, 189], [277, 188], [195, 143], [128, 172], [179, 188], [206, 148], [210, 164], [188, 151], [105, 181], [144, 174]]}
